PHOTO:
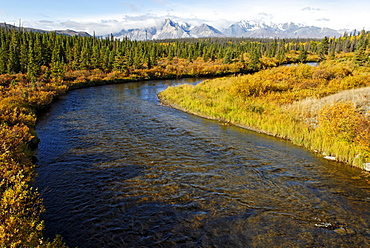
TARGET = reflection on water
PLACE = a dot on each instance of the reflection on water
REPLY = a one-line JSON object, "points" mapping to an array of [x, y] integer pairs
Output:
{"points": [[117, 169]]}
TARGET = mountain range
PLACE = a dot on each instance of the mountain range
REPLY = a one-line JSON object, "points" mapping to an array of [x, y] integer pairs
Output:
{"points": [[64, 32], [247, 29], [170, 29]]}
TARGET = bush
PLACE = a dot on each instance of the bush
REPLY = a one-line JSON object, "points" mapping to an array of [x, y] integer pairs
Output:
{"points": [[340, 121]]}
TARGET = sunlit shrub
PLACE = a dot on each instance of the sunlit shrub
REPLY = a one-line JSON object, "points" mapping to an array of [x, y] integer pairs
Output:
{"points": [[363, 134], [322, 74], [13, 111], [249, 88], [339, 121], [267, 62], [303, 71], [355, 81], [5, 79]]}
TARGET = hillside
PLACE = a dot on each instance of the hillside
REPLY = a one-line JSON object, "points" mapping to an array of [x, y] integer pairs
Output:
{"points": [[67, 32]]}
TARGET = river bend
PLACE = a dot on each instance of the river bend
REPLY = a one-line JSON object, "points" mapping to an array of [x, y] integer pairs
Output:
{"points": [[117, 169]]}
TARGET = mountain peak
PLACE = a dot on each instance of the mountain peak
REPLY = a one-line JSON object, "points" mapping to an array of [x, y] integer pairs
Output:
{"points": [[169, 22], [205, 30], [170, 30]]}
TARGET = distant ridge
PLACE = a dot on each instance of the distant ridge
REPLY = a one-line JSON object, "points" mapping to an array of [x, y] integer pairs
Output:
{"points": [[170, 29], [247, 29], [67, 32]]}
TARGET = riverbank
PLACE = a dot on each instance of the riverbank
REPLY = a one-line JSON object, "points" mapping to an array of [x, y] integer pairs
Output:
{"points": [[21, 102], [159, 169], [276, 102]]}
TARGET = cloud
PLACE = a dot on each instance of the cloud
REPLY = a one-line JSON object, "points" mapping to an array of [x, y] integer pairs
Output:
{"points": [[3, 12], [131, 6], [311, 9], [116, 24], [102, 27], [105, 26], [265, 16], [46, 21], [323, 20]]}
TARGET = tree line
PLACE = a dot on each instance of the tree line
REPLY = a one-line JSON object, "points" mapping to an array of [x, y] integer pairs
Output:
{"points": [[28, 52]]}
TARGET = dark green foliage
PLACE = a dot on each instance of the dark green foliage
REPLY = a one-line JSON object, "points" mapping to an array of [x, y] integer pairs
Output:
{"points": [[302, 54], [255, 55], [27, 52], [324, 47]]}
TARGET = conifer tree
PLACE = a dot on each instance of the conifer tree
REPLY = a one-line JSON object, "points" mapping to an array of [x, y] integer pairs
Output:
{"points": [[254, 58], [85, 62], [324, 47], [32, 66], [13, 65], [302, 54], [228, 57], [3, 60], [360, 57], [23, 55], [119, 63]]}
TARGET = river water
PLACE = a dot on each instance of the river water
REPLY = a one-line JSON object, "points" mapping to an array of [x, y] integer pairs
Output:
{"points": [[117, 169]]}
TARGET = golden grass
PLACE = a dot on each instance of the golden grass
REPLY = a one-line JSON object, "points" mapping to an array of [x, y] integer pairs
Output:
{"points": [[311, 106], [287, 101]]}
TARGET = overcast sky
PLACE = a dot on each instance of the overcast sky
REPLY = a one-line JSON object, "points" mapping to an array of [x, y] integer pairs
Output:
{"points": [[109, 16]]}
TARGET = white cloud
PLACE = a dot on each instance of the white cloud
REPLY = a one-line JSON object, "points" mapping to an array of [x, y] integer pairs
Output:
{"points": [[3, 12], [131, 6], [311, 9], [323, 20], [46, 21], [126, 14]]}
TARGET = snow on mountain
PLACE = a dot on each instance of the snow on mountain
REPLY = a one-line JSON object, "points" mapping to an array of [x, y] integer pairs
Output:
{"points": [[205, 30], [171, 30], [281, 30], [175, 30]]}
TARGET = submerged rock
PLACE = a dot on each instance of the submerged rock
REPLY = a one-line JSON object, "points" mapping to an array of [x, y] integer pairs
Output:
{"points": [[344, 231]]}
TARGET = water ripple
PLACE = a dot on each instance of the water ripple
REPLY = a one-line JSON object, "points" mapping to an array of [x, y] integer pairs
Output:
{"points": [[117, 169]]}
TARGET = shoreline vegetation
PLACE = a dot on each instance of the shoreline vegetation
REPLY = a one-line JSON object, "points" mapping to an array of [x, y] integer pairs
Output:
{"points": [[36, 68], [323, 108]]}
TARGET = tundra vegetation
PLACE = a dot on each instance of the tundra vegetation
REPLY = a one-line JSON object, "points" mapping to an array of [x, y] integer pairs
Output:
{"points": [[308, 105], [325, 108]]}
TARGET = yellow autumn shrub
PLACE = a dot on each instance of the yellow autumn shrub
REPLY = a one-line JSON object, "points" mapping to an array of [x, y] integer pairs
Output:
{"points": [[339, 120]]}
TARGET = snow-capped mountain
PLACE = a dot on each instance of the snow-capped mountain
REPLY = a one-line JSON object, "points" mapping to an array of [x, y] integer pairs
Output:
{"points": [[205, 30], [170, 29], [281, 30]]}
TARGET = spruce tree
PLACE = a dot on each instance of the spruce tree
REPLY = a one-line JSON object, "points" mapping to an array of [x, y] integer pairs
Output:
{"points": [[32, 66], [13, 65], [254, 58], [3, 59], [302, 54], [324, 47]]}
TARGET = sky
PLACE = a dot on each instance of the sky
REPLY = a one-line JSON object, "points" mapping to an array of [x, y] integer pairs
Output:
{"points": [[103, 17]]}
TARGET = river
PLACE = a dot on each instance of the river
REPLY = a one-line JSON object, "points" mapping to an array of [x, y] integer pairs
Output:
{"points": [[118, 169]]}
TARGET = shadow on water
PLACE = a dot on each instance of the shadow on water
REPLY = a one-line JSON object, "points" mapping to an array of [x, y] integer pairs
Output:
{"points": [[119, 170]]}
